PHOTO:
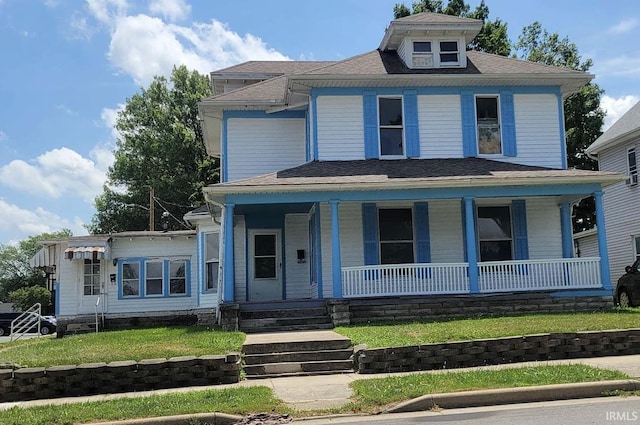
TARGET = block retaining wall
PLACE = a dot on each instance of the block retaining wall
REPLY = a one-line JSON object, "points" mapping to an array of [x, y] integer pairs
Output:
{"points": [[540, 347], [117, 377]]}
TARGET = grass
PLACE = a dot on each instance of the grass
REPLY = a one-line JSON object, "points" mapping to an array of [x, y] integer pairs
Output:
{"points": [[136, 344], [371, 394], [239, 401], [402, 334]]}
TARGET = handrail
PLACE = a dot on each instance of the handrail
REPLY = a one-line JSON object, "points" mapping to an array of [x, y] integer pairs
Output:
{"points": [[25, 322], [97, 304]]}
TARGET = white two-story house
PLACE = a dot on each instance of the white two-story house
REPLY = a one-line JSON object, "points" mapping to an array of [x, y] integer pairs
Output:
{"points": [[417, 169]]}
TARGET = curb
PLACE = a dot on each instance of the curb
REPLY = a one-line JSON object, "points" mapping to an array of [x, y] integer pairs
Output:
{"points": [[212, 418], [514, 395]]}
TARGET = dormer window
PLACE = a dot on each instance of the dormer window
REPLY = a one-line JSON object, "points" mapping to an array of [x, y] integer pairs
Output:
{"points": [[432, 53], [391, 127], [449, 54], [422, 55]]}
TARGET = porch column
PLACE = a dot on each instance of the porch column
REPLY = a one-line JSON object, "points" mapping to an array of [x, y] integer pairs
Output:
{"points": [[567, 230], [602, 242], [335, 249], [228, 265], [472, 247]]}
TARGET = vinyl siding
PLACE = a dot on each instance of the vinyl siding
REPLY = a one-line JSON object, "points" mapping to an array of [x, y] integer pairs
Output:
{"points": [[257, 146], [537, 131], [588, 246], [440, 126], [208, 299], [620, 200], [543, 228], [239, 256], [340, 128], [296, 229], [445, 224]]}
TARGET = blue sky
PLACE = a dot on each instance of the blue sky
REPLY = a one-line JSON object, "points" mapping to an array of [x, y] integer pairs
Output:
{"points": [[67, 66]]}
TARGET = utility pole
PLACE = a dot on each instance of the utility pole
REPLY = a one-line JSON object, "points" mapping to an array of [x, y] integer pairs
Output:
{"points": [[152, 224]]}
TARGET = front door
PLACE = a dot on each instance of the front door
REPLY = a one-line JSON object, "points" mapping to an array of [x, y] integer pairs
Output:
{"points": [[265, 265], [91, 286]]}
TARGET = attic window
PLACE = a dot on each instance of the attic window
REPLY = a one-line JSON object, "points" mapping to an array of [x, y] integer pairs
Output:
{"points": [[449, 53], [422, 55]]}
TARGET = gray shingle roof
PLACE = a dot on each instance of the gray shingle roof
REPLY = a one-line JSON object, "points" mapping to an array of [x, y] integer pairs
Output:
{"points": [[374, 171], [272, 67], [626, 124], [435, 18]]}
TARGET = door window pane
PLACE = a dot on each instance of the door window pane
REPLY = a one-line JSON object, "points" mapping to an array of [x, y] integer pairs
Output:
{"points": [[265, 267], [265, 245], [265, 257]]}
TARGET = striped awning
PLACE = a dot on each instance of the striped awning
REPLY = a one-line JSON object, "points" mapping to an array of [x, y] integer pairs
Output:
{"points": [[46, 257], [86, 253]]}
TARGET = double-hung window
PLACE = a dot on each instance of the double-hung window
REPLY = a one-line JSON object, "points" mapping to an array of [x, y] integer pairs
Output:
{"points": [[154, 278], [177, 277], [391, 126], [632, 167], [488, 125], [449, 53], [212, 263], [395, 227], [131, 279], [495, 235], [91, 277]]}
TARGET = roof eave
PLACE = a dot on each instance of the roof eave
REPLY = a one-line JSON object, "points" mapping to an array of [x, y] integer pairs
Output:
{"points": [[595, 149], [468, 29]]}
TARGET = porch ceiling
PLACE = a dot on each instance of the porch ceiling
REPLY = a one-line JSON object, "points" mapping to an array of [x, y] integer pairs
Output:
{"points": [[374, 175]]}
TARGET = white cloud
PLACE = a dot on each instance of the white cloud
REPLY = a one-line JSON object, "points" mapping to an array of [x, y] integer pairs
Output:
{"points": [[66, 109], [624, 26], [33, 222], [109, 117], [616, 107], [173, 10], [3, 136], [143, 46], [620, 66], [58, 172]]}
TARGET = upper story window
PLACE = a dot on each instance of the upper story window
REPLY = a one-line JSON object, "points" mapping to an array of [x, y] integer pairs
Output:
{"points": [[422, 55], [395, 227], [632, 167], [495, 236], [391, 126], [449, 53], [488, 125]]}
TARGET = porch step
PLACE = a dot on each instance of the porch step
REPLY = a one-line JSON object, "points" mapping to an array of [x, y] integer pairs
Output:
{"points": [[296, 354], [80, 328], [284, 316]]}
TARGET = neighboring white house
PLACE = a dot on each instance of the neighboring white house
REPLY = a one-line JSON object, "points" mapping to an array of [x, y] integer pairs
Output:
{"points": [[617, 151], [417, 169], [137, 274]]}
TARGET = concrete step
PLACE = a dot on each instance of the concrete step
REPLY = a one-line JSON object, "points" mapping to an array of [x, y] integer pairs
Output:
{"points": [[283, 321], [298, 356], [290, 346], [299, 367], [286, 328], [293, 374], [284, 313]]}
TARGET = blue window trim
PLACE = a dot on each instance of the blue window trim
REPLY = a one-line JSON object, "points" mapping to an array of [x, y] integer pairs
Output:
{"points": [[567, 230], [370, 234], [563, 141], [142, 261], [508, 123], [469, 134], [56, 285], [370, 119], [520, 235], [411, 123], [228, 282], [319, 250], [314, 129], [422, 233]]}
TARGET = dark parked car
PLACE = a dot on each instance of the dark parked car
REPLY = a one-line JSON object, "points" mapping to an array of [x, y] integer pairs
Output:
{"points": [[47, 324], [628, 287]]}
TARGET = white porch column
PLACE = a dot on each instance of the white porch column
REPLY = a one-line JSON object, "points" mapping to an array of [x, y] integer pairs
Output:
{"points": [[602, 242], [228, 292], [336, 262]]}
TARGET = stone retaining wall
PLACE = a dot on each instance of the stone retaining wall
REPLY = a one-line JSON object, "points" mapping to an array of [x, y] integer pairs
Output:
{"points": [[541, 347], [117, 377]]}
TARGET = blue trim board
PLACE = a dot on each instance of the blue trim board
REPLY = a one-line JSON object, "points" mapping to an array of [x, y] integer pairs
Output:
{"points": [[283, 261], [468, 117], [228, 272], [246, 264], [411, 194], [56, 286], [335, 249], [472, 248], [314, 116], [390, 91], [567, 230], [520, 236], [262, 114], [319, 250], [563, 141], [370, 234], [423, 238], [605, 272], [224, 164], [370, 120], [508, 123], [411, 125], [307, 137]]}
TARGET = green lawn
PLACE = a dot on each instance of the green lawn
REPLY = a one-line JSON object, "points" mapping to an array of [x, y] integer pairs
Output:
{"points": [[400, 334], [370, 394], [135, 344]]}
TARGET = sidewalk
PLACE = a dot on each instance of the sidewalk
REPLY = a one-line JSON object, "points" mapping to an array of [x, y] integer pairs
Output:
{"points": [[327, 391]]}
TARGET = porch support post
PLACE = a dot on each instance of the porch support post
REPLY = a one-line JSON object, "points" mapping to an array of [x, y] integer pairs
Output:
{"points": [[472, 247], [567, 233], [335, 249], [228, 267], [602, 242]]}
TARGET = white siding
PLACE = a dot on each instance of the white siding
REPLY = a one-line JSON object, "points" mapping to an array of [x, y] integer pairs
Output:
{"points": [[543, 228], [440, 126], [296, 229], [537, 131], [162, 248], [69, 293], [340, 128], [445, 228], [621, 201], [257, 146], [239, 256], [587, 246]]}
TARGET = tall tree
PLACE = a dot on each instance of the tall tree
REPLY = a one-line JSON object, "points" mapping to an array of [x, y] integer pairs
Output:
{"points": [[582, 113], [493, 37], [15, 271], [160, 152]]}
